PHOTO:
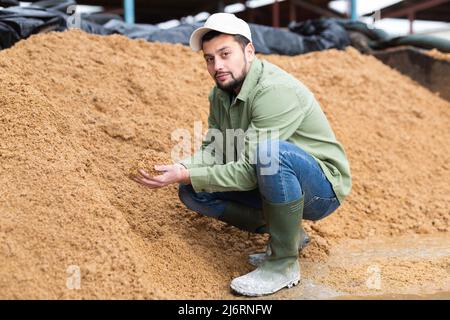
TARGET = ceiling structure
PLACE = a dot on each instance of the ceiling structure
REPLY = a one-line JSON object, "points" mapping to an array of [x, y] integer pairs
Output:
{"points": [[277, 14]]}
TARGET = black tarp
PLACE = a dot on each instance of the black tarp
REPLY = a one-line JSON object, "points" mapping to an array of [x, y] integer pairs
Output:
{"points": [[58, 5], [9, 3], [312, 35], [53, 15], [377, 39], [134, 31], [20, 22], [302, 37], [416, 40], [322, 35]]}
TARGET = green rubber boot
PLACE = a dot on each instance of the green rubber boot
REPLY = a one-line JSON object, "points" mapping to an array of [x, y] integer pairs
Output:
{"points": [[244, 217], [256, 259], [281, 269]]}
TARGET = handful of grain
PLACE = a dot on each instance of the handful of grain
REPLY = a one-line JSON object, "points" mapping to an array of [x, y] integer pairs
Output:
{"points": [[147, 161]]}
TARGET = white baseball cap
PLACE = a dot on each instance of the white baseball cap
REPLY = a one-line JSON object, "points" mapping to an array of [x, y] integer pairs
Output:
{"points": [[222, 22]]}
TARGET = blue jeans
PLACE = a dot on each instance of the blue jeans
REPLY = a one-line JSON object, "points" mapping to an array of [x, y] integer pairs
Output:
{"points": [[298, 174]]}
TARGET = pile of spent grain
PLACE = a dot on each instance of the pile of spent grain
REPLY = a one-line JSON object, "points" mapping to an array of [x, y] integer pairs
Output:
{"points": [[79, 112]]}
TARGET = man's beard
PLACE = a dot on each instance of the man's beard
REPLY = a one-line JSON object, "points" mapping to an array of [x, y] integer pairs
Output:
{"points": [[235, 83]]}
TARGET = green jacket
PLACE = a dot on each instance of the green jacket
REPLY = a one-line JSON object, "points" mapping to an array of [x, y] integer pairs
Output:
{"points": [[270, 99]]}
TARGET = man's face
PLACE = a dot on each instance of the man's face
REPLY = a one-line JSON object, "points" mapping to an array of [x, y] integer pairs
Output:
{"points": [[227, 62]]}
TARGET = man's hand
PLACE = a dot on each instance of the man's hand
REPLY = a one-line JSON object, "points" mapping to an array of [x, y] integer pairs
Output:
{"points": [[175, 173]]}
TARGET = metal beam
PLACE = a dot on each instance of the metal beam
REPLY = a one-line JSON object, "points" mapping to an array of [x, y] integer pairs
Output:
{"points": [[220, 6], [411, 17], [276, 14], [405, 11], [353, 12], [292, 11], [128, 6]]}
